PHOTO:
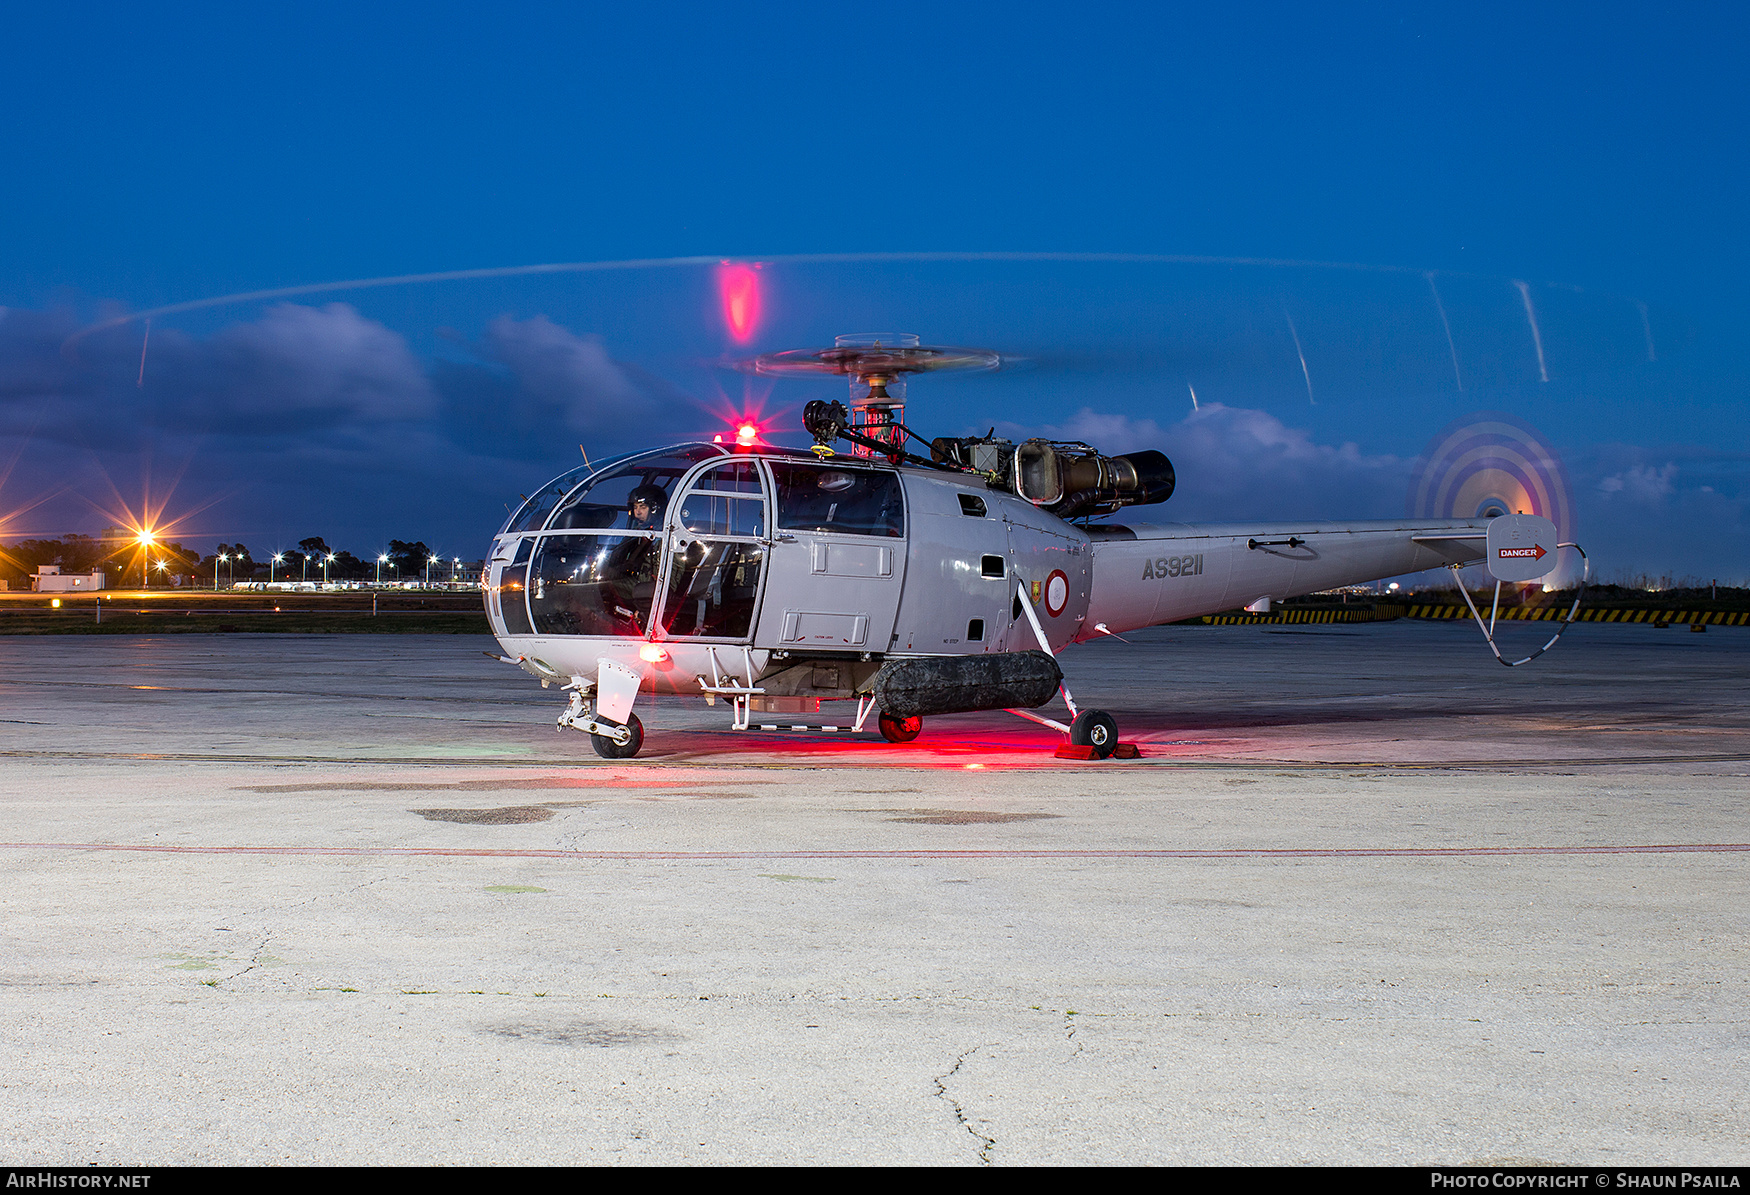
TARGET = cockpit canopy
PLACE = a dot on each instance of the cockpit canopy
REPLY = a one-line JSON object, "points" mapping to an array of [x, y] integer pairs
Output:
{"points": [[599, 496], [812, 495]]}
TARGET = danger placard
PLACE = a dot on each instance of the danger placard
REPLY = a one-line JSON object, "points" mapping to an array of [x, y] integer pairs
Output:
{"points": [[1521, 547]]}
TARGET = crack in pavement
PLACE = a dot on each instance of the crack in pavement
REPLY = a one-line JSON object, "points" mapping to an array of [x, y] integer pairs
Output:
{"points": [[989, 1143]]}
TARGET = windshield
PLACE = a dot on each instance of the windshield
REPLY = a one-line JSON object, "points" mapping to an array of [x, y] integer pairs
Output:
{"points": [[534, 511], [631, 496]]}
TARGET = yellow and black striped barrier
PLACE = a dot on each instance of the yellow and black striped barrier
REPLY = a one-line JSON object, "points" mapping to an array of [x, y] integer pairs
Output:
{"points": [[1718, 618], [1359, 614]]}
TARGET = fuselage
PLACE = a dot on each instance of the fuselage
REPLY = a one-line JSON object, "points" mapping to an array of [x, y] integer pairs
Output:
{"points": [[801, 575]]}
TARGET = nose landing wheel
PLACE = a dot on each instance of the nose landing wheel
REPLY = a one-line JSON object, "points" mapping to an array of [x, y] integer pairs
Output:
{"points": [[608, 749], [900, 730]]}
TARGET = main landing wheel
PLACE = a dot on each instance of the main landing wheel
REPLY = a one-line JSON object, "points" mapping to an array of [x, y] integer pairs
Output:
{"points": [[900, 730], [608, 749], [1096, 729]]}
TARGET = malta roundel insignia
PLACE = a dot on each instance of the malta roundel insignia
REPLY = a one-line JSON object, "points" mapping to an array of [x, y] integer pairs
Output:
{"points": [[1056, 592]]}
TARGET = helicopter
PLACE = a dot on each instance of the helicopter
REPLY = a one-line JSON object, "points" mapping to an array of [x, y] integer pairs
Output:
{"points": [[914, 577]]}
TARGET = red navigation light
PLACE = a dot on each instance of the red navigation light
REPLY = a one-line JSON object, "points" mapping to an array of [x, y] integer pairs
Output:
{"points": [[739, 288]]}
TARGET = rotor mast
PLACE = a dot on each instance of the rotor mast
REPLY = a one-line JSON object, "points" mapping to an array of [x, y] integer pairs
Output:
{"points": [[878, 398], [876, 365]]}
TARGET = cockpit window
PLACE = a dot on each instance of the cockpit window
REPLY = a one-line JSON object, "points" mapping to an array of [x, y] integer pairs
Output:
{"points": [[830, 497], [534, 511], [632, 496]]}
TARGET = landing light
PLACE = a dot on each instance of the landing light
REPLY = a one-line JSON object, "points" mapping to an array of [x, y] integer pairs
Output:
{"points": [[652, 653]]}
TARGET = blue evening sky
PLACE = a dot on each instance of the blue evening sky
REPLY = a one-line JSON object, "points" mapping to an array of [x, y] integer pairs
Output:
{"points": [[156, 155]]}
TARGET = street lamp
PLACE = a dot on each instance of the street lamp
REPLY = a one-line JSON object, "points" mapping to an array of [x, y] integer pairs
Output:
{"points": [[326, 561], [428, 565], [454, 565], [145, 542], [381, 561], [217, 561], [278, 558]]}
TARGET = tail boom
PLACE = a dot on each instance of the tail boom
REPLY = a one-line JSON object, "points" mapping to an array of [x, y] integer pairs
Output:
{"points": [[1147, 575]]}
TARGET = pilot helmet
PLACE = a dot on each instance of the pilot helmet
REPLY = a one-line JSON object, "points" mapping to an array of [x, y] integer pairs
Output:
{"points": [[651, 495]]}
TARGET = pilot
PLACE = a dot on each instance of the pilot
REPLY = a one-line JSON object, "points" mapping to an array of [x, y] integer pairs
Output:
{"points": [[631, 573], [644, 506]]}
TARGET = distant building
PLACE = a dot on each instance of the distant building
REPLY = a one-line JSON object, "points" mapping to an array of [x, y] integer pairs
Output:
{"points": [[49, 578]]}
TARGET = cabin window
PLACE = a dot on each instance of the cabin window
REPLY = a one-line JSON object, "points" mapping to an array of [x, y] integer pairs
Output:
{"points": [[830, 497], [972, 504], [993, 566], [975, 631]]}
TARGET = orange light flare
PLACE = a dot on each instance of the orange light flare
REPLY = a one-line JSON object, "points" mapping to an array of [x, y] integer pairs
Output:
{"points": [[738, 288], [148, 528]]}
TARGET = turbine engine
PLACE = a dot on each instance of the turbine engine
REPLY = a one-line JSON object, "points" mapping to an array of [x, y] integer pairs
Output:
{"points": [[1067, 478]]}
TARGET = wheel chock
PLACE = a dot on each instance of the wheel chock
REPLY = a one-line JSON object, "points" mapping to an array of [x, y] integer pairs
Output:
{"points": [[1079, 751]]}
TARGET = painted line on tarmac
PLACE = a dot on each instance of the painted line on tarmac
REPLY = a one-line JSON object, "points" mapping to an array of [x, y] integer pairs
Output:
{"points": [[687, 759], [1456, 852]]}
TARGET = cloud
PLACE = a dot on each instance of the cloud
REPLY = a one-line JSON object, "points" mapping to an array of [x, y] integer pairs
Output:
{"points": [[297, 372], [1641, 483], [300, 370], [569, 373], [1235, 463], [535, 386]]}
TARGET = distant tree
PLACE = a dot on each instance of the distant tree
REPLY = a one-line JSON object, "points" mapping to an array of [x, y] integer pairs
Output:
{"points": [[409, 558], [28, 554], [81, 554]]}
